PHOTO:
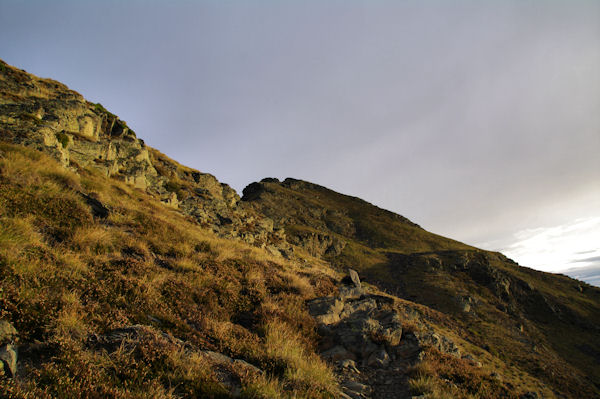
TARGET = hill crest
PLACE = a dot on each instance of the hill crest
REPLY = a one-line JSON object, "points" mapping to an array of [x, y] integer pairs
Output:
{"points": [[122, 246]]}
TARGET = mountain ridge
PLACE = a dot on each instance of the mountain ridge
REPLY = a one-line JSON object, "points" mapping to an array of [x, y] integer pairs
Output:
{"points": [[269, 268]]}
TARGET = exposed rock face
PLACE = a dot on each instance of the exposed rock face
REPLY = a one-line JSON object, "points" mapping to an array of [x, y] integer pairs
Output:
{"points": [[363, 338], [46, 115]]}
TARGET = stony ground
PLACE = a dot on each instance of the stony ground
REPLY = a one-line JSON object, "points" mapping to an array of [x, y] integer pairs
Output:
{"points": [[364, 338]]}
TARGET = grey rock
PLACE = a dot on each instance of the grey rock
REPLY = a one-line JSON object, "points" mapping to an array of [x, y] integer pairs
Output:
{"points": [[364, 307], [326, 310], [356, 387], [248, 366], [218, 357], [349, 364], [8, 333], [8, 356], [378, 359], [354, 277], [338, 353], [348, 393], [350, 292]]}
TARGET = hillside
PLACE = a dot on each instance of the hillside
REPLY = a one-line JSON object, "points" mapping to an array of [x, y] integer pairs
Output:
{"points": [[125, 274], [545, 324]]}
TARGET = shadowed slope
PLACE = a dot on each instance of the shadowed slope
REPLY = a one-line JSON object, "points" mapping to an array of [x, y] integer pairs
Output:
{"points": [[544, 323]]}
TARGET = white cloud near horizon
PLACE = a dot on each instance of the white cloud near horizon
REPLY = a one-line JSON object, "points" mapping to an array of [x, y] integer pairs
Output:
{"points": [[558, 248]]}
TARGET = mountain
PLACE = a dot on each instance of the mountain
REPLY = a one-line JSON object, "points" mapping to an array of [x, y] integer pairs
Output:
{"points": [[589, 274], [125, 274]]}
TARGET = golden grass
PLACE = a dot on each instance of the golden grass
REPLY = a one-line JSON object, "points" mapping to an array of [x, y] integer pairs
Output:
{"points": [[66, 275], [284, 346]]}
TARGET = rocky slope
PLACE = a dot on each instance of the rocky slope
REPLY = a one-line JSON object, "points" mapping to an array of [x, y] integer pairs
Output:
{"points": [[121, 269], [46, 115], [548, 325]]}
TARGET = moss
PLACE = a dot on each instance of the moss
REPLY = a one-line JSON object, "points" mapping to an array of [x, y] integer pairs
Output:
{"points": [[173, 186], [100, 108], [63, 139]]}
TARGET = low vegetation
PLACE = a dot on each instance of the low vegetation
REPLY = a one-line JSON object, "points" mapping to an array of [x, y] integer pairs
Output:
{"points": [[67, 276]]}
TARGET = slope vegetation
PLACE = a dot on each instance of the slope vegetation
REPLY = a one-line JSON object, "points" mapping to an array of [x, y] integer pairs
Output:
{"points": [[125, 274], [544, 324]]}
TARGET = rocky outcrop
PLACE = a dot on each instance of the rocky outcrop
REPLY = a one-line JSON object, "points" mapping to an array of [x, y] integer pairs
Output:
{"points": [[363, 336], [47, 116]]}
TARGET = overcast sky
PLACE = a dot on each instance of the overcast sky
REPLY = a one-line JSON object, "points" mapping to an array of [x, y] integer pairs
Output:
{"points": [[479, 120]]}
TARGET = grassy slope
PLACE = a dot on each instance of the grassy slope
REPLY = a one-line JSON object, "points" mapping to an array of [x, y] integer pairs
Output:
{"points": [[66, 275], [560, 341]]}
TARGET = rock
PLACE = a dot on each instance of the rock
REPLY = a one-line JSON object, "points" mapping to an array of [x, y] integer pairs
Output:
{"points": [[218, 357], [378, 359], [471, 359], [354, 279], [355, 387], [338, 353], [8, 333], [326, 310], [349, 364], [8, 356], [247, 366], [350, 292], [273, 250], [98, 208], [367, 348], [364, 307], [392, 335], [442, 343]]}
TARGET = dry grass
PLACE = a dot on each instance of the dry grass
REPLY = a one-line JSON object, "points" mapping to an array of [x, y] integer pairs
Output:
{"points": [[443, 376], [66, 275], [288, 351]]}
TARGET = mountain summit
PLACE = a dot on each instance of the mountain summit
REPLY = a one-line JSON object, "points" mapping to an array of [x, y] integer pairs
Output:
{"points": [[125, 274]]}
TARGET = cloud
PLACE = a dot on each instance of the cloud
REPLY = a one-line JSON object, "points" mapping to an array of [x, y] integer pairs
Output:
{"points": [[558, 247], [589, 274], [588, 260]]}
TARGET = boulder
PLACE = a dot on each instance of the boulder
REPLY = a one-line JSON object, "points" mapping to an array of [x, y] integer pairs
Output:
{"points": [[352, 278], [217, 357], [349, 365], [247, 366], [326, 310], [359, 309], [350, 292], [8, 357], [378, 359], [338, 353], [355, 389], [8, 333]]}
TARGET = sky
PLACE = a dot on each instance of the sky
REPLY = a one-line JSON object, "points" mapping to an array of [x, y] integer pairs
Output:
{"points": [[478, 120]]}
